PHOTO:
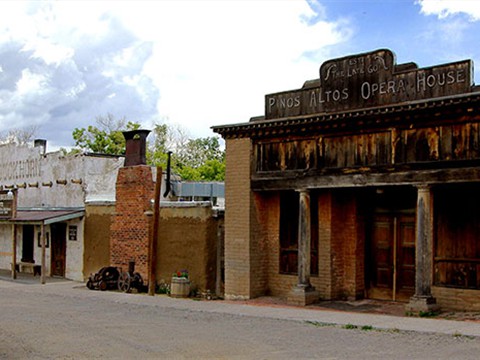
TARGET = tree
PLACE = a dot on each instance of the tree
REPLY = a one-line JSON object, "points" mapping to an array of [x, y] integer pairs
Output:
{"points": [[19, 136], [202, 159], [199, 159], [106, 137]]}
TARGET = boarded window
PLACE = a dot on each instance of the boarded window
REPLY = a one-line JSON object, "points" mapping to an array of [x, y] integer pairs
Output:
{"points": [[457, 248]]}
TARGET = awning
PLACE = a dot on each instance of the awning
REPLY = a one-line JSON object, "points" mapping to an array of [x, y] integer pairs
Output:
{"points": [[45, 217]]}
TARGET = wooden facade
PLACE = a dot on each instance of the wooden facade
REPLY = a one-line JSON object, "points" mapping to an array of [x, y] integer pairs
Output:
{"points": [[403, 144]]}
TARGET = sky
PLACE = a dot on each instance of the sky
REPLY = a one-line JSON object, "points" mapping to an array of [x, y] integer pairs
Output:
{"points": [[196, 64]]}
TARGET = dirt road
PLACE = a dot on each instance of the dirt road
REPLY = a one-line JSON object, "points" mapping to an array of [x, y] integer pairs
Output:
{"points": [[66, 321]]}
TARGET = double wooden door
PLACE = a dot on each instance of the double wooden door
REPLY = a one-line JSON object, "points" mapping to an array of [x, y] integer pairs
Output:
{"points": [[392, 257]]}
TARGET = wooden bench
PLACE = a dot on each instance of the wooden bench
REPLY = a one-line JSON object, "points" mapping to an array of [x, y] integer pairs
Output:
{"points": [[35, 268]]}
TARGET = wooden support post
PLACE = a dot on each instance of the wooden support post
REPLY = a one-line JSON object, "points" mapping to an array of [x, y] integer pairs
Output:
{"points": [[304, 293], [42, 236], [14, 251], [304, 240], [152, 249], [423, 299]]}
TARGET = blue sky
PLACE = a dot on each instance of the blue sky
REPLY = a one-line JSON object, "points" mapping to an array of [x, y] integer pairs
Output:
{"points": [[195, 64], [419, 31]]}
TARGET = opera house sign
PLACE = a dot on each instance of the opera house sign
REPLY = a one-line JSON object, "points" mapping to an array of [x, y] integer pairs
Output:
{"points": [[369, 80]]}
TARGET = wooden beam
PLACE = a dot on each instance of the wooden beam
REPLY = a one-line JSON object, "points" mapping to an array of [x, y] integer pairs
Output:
{"points": [[152, 265], [43, 258], [413, 177], [14, 251]]}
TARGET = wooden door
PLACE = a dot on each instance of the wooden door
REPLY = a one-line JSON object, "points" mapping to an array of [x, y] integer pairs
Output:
{"points": [[392, 255], [405, 279], [58, 240]]}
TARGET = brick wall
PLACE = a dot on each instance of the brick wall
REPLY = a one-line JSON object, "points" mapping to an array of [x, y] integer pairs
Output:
{"points": [[278, 284], [238, 207], [340, 249], [348, 251], [130, 225], [252, 225], [258, 245], [325, 259]]}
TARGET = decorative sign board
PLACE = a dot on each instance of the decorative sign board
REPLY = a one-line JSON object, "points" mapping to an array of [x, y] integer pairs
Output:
{"points": [[6, 204], [369, 80], [72, 233]]}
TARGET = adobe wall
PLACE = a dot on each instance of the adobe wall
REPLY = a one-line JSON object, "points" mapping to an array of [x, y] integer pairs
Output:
{"points": [[188, 241], [98, 218]]}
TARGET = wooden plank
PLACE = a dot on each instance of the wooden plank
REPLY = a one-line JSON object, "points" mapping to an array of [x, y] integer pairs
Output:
{"points": [[435, 176]]}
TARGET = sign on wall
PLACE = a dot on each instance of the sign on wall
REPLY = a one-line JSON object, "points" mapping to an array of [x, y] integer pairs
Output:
{"points": [[369, 80], [72, 233], [6, 204]]}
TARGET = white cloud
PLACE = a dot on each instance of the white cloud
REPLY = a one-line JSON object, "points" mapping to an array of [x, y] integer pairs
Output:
{"points": [[445, 8], [214, 61], [196, 63]]}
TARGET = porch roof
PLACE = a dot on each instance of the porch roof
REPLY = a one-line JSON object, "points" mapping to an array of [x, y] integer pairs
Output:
{"points": [[46, 216], [354, 119]]}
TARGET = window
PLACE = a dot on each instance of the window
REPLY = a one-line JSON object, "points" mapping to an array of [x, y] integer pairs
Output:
{"points": [[289, 212]]}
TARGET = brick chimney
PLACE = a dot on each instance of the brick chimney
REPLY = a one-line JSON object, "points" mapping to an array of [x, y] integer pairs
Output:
{"points": [[134, 189], [136, 145]]}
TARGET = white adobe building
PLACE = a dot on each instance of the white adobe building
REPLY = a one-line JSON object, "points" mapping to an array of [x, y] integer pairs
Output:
{"points": [[50, 201]]}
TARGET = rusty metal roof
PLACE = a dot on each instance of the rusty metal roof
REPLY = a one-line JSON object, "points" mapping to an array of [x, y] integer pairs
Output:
{"points": [[47, 216]]}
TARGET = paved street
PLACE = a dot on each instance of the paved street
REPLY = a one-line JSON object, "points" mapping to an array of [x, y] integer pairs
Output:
{"points": [[65, 320]]}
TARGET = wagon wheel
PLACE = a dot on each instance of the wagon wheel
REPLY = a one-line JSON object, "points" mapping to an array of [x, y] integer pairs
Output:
{"points": [[138, 281], [124, 282], [90, 284], [102, 285]]}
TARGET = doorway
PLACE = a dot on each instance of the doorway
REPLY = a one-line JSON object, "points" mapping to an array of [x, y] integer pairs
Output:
{"points": [[27, 244], [59, 249], [391, 257]]}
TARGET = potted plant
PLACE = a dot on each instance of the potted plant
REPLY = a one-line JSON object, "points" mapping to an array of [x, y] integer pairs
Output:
{"points": [[180, 286]]}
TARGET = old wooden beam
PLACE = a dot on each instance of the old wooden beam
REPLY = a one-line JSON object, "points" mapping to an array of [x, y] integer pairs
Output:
{"points": [[439, 176], [152, 263], [43, 257], [14, 251]]}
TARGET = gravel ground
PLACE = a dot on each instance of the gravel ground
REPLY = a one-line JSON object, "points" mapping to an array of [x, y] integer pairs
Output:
{"points": [[63, 321]]}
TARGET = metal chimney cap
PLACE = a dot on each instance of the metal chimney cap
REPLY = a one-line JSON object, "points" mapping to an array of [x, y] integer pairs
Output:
{"points": [[131, 134], [135, 147]]}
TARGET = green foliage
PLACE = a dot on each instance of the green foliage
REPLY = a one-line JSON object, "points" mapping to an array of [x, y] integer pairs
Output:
{"points": [[319, 323], [428, 313], [200, 159], [367, 327], [105, 138]]}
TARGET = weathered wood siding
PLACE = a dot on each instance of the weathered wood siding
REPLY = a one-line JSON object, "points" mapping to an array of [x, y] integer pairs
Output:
{"points": [[375, 149], [457, 248]]}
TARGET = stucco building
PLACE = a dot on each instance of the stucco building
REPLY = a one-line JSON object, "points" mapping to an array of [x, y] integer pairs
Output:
{"points": [[56, 210], [364, 183]]}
